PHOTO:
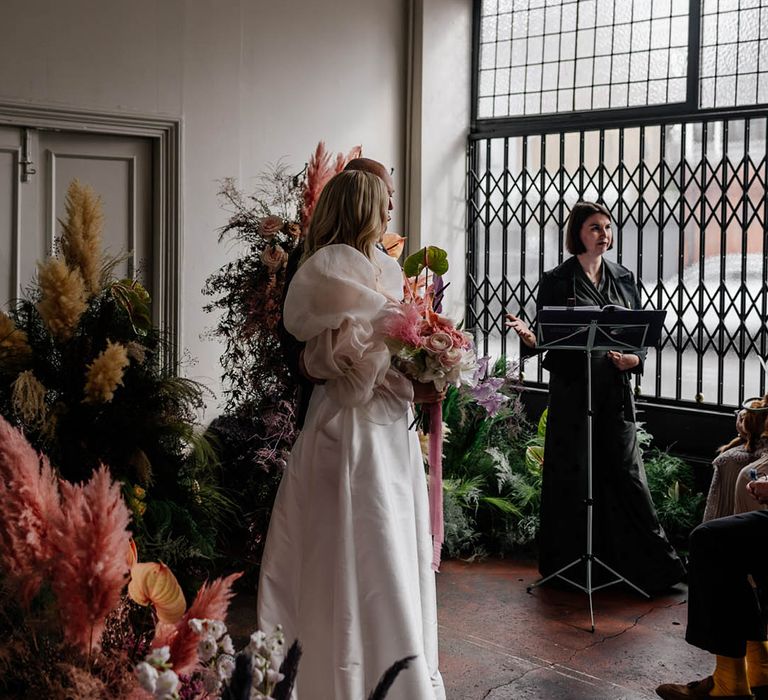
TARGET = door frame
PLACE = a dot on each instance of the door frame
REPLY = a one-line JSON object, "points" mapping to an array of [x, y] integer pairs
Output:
{"points": [[166, 133]]}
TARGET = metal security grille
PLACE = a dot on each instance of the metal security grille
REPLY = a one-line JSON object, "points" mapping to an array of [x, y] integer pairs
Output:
{"points": [[689, 201]]}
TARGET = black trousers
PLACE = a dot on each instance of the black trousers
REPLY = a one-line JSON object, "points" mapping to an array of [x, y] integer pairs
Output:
{"points": [[724, 610]]}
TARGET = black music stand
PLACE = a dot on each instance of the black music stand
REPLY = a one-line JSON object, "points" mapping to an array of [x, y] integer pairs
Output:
{"points": [[589, 330]]}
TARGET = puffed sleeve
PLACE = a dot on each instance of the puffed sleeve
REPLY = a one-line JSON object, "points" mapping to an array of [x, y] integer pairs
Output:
{"points": [[334, 306]]}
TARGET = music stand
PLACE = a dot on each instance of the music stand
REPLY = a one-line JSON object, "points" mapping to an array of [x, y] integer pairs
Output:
{"points": [[589, 330]]}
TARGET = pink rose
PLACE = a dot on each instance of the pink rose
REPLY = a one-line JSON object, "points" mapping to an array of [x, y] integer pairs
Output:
{"points": [[269, 226], [274, 257], [438, 342], [451, 358]]}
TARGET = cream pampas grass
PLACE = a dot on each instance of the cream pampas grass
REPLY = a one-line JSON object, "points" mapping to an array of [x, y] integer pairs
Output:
{"points": [[62, 300], [14, 348], [211, 603], [105, 373], [81, 236], [30, 499], [89, 570], [28, 400]]}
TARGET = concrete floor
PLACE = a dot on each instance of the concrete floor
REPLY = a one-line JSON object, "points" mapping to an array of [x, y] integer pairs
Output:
{"points": [[498, 642]]}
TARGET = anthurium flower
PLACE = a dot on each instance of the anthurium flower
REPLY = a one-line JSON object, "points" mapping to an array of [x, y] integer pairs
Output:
{"points": [[393, 244], [153, 583], [133, 554]]}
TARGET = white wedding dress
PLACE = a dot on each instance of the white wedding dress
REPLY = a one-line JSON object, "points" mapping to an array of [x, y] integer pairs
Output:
{"points": [[346, 567]]}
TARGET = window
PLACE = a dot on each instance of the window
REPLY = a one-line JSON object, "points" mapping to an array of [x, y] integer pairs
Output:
{"points": [[682, 165]]}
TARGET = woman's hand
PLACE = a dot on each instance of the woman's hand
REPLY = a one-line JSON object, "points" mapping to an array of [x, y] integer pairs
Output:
{"points": [[521, 328], [427, 393], [623, 362]]}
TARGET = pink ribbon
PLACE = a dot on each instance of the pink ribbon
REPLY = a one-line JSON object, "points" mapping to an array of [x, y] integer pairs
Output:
{"points": [[436, 481]]}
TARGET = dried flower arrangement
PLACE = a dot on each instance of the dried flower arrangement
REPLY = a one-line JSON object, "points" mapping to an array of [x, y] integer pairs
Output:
{"points": [[81, 371], [258, 424]]}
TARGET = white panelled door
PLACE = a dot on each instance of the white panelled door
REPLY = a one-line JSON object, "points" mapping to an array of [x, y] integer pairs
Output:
{"points": [[36, 167]]}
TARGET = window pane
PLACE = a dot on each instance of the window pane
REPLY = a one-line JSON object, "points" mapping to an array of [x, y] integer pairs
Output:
{"points": [[580, 52], [734, 51]]}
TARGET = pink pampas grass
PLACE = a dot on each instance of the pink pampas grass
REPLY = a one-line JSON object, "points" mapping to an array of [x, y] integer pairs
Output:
{"points": [[211, 603], [320, 169], [89, 570], [29, 497]]}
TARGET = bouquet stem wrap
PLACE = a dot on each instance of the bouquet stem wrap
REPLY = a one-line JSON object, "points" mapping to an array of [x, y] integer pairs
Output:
{"points": [[436, 481]]}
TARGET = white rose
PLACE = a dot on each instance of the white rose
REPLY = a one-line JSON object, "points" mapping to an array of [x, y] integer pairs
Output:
{"points": [[207, 648], [274, 677], [159, 656], [167, 683], [146, 675]]}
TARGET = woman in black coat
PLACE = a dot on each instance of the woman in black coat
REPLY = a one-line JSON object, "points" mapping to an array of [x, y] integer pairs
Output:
{"points": [[627, 535]]}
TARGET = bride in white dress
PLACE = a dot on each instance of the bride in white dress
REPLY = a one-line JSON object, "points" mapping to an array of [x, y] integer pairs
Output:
{"points": [[346, 566]]}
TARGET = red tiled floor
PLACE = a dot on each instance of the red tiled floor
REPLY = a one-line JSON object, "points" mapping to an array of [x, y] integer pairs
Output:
{"points": [[497, 641]]}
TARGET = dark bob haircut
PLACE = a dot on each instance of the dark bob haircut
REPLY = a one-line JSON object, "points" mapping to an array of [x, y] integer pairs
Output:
{"points": [[579, 214]]}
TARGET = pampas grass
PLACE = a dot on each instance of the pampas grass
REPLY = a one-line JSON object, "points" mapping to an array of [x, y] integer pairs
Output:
{"points": [[320, 169], [105, 373], [14, 348], [211, 603], [28, 400], [90, 538], [63, 299], [30, 499], [81, 234]]}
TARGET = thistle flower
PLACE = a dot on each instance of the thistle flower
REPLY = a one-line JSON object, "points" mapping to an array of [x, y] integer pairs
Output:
{"points": [[90, 537], [30, 498], [63, 297], [105, 373], [81, 237], [211, 603], [14, 348], [28, 399]]}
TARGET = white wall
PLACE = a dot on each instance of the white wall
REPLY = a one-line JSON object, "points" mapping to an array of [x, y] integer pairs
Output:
{"points": [[253, 81], [439, 123]]}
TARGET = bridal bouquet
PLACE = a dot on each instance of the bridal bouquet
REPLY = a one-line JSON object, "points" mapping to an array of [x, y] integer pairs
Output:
{"points": [[428, 347], [425, 345]]}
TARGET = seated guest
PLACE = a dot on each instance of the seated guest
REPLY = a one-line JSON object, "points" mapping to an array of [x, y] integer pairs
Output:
{"points": [[750, 444], [725, 617]]}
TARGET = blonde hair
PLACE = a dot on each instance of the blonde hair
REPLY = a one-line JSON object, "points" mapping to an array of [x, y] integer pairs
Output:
{"points": [[351, 209]]}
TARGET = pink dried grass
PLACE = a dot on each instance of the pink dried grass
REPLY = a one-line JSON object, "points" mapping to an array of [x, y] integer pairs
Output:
{"points": [[89, 569], [30, 498], [210, 603], [320, 169]]}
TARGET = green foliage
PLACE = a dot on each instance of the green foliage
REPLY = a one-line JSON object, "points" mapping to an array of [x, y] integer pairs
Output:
{"points": [[487, 473], [431, 258], [678, 505]]}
